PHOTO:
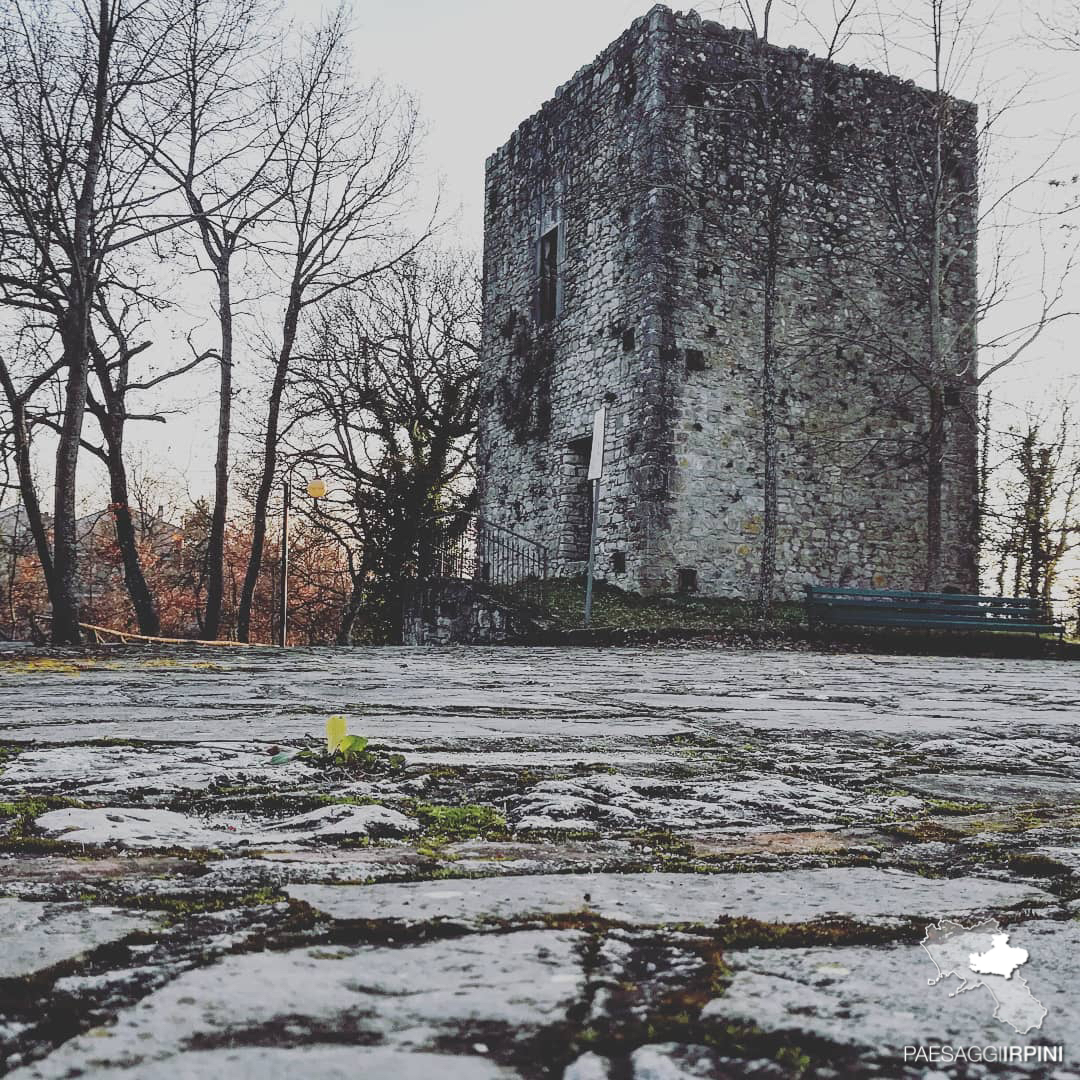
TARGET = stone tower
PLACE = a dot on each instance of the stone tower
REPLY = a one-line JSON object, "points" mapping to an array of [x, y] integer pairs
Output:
{"points": [[728, 246]]}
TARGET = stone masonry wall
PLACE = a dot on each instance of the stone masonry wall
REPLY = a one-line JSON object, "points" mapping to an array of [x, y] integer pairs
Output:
{"points": [[667, 161]]}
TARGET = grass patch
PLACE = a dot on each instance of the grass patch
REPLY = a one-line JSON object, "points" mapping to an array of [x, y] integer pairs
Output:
{"points": [[615, 609]]}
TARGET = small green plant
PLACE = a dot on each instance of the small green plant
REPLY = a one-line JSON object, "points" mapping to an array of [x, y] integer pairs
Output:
{"points": [[342, 749]]}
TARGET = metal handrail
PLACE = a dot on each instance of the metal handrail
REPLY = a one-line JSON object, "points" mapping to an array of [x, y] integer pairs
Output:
{"points": [[470, 548]]}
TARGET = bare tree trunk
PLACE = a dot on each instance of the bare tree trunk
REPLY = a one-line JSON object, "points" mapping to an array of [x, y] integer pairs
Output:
{"points": [[935, 461], [215, 546], [142, 599], [349, 615], [269, 466], [769, 433], [27, 490], [65, 603], [935, 458]]}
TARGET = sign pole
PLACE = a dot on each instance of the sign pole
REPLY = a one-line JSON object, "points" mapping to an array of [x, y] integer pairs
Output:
{"points": [[596, 470]]}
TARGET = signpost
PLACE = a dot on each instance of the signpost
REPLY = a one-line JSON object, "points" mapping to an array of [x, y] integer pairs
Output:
{"points": [[596, 470]]}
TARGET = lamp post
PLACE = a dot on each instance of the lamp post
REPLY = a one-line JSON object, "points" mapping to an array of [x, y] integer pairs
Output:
{"points": [[316, 489]]}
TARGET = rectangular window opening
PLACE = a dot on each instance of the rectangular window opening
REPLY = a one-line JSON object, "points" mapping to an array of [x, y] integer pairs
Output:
{"points": [[550, 285], [687, 581], [618, 562]]}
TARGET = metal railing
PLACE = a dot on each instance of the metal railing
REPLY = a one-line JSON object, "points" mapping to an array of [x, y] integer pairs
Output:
{"points": [[468, 548]]}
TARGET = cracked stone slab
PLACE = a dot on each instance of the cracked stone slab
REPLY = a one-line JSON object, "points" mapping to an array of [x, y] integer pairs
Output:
{"points": [[63, 868], [672, 1061], [37, 936], [311, 1062], [630, 802], [660, 899], [800, 842], [1026, 790], [121, 770], [151, 828], [405, 999], [879, 999]]}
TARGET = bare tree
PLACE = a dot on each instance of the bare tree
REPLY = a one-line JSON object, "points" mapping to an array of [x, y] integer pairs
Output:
{"points": [[116, 383], [225, 157], [1035, 522], [940, 148], [73, 194], [383, 407], [345, 165]]}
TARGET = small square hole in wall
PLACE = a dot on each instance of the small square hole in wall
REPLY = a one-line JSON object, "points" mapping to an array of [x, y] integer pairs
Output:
{"points": [[628, 340], [695, 360], [694, 94], [618, 562], [952, 397], [687, 581]]}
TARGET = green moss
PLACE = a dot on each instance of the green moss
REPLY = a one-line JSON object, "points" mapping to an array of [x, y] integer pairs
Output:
{"points": [[446, 824], [21, 837], [951, 806], [30, 808]]}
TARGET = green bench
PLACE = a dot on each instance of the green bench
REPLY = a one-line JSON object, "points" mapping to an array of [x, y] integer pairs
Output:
{"points": [[826, 606]]}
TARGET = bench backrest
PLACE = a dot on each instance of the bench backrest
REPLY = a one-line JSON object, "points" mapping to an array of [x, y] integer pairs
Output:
{"points": [[1006, 608]]}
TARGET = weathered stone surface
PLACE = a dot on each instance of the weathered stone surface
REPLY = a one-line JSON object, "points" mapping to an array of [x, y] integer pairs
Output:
{"points": [[466, 699], [658, 899], [804, 783], [309, 1062], [879, 999], [406, 998], [104, 770], [38, 936], [165, 828]]}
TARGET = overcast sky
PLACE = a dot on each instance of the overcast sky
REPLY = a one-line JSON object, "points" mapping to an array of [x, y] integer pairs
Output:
{"points": [[479, 67]]}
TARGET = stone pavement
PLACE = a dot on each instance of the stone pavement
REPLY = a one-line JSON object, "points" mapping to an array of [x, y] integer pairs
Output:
{"points": [[585, 864]]}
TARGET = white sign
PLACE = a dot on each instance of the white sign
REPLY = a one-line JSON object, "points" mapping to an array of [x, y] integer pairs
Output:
{"points": [[596, 458]]}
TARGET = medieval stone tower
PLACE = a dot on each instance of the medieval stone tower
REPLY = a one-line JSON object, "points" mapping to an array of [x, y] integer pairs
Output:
{"points": [[730, 246]]}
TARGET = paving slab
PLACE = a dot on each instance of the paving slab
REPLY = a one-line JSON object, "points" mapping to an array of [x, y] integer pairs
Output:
{"points": [[38, 936], [1026, 790], [664, 899], [127, 828], [628, 802], [295, 1062], [405, 998], [881, 999]]}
